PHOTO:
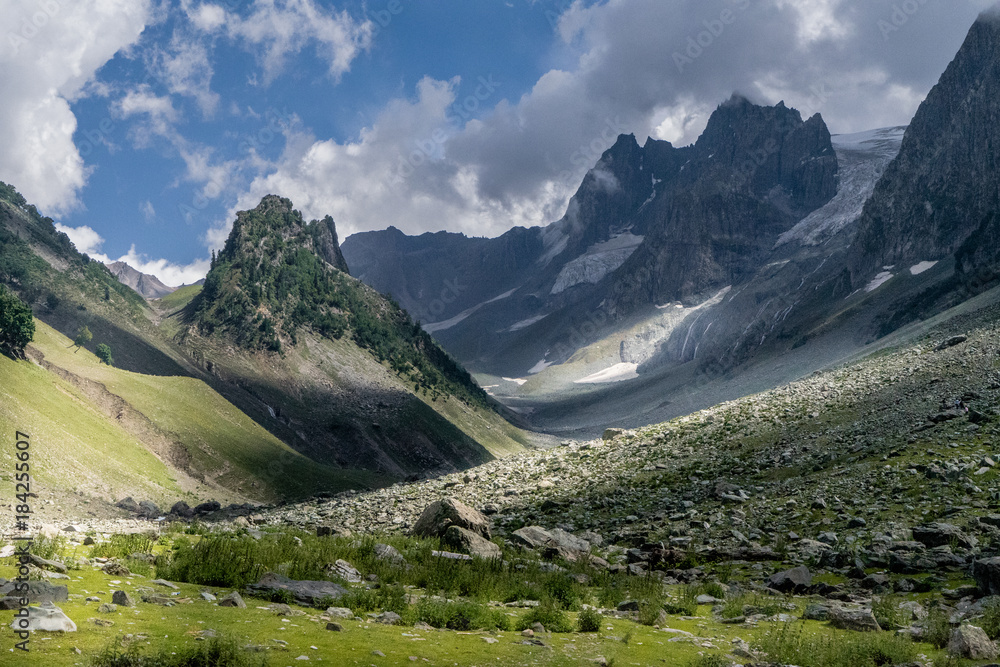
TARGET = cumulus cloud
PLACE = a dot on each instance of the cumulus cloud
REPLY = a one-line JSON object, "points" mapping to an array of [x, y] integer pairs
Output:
{"points": [[50, 51], [186, 70], [645, 66], [277, 29], [90, 243]]}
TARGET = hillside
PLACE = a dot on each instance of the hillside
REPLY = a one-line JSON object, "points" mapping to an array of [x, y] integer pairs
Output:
{"points": [[190, 429]]}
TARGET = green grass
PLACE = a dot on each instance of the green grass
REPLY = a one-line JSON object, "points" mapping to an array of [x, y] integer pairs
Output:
{"points": [[220, 441], [179, 298], [794, 644]]}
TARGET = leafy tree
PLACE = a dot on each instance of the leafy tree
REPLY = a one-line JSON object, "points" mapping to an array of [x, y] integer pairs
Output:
{"points": [[83, 336], [103, 353], [17, 328]]}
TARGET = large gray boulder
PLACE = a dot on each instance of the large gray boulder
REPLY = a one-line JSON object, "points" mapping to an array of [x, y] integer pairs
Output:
{"points": [[968, 641], [857, 620], [46, 618], [38, 591], [471, 543], [943, 534], [987, 575], [307, 593], [438, 516], [796, 580], [532, 537]]}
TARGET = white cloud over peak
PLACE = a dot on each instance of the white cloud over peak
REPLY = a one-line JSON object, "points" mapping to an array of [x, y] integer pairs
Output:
{"points": [[51, 50], [90, 243]]}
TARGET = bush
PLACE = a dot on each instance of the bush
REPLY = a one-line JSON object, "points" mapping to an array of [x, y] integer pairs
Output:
{"points": [[686, 604], [103, 352], [788, 645], [937, 628], [463, 616], [17, 327], [217, 652], [710, 661], [991, 619], [887, 612], [588, 621], [551, 617]]}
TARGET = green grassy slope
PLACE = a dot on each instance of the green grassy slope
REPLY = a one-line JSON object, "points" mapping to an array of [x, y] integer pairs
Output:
{"points": [[198, 432]]}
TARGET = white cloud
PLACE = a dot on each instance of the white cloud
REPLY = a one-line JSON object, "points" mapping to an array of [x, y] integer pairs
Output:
{"points": [[90, 243], [147, 210], [85, 239], [186, 70], [49, 53], [276, 29]]}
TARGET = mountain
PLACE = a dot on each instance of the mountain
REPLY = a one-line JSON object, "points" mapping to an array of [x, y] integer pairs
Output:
{"points": [[648, 225], [197, 407], [944, 188], [327, 363], [147, 285]]}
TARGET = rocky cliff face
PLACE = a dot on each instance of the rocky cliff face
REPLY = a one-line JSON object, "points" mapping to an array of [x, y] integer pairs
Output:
{"points": [[145, 284], [945, 185], [753, 174]]}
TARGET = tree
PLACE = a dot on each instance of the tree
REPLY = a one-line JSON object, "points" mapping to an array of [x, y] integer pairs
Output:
{"points": [[107, 293], [83, 336], [103, 353], [17, 327]]}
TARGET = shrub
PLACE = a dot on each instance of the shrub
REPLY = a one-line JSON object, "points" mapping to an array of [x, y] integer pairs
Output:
{"points": [[788, 645], [686, 604], [937, 628], [17, 328], [887, 612], [463, 616], [103, 352], [588, 621], [217, 652], [551, 617], [991, 619], [710, 661]]}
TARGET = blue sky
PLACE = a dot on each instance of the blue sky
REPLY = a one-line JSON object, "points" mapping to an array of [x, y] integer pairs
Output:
{"points": [[141, 126]]}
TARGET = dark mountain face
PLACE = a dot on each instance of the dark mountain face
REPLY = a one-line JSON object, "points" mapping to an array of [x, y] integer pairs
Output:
{"points": [[945, 185], [148, 286], [648, 224]]}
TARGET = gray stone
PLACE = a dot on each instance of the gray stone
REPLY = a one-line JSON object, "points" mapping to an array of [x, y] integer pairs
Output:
{"points": [[532, 537], [471, 543], [182, 509], [122, 599], [796, 580], [388, 618], [234, 599], [129, 505], [858, 620], [969, 641], [943, 534], [987, 575], [345, 571], [307, 593], [339, 612], [107, 608], [46, 618], [438, 516], [389, 553], [334, 627], [38, 591], [50, 565]]}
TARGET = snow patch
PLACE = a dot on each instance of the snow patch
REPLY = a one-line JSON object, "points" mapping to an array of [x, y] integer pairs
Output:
{"points": [[518, 381], [917, 269], [598, 261], [524, 324], [539, 367], [617, 373], [449, 323], [878, 281]]}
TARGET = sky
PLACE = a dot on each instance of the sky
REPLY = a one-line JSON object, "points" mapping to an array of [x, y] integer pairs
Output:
{"points": [[142, 126]]}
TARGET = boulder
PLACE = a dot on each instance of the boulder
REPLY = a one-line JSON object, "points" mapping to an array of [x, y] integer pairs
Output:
{"points": [[345, 571], [129, 505], [858, 620], [385, 552], [438, 516], [986, 572], [182, 509], [471, 543], [532, 537], [122, 599], [234, 599], [796, 580], [50, 565], [943, 534], [569, 541], [210, 506], [149, 509], [307, 593], [46, 618], [612, 433], [340, 612], [38, 591], [968, 641]]}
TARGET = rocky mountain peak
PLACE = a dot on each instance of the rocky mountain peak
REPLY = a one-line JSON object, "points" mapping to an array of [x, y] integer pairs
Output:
{"points": [[945, 183]]}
